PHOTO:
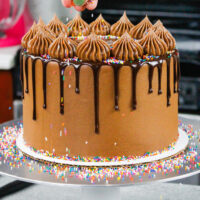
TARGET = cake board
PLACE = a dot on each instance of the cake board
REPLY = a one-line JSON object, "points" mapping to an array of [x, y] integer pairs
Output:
{"points": [[107, 180], [178, 147]]}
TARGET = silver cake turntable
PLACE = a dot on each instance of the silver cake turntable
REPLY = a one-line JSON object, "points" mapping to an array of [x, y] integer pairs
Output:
{"points": [[13, 163]]}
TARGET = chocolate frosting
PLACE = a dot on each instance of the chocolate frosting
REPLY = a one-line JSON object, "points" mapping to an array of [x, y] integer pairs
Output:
{"points": [[157, 25], [77, 27], [41, 22], [121, 26], [42, 25], [127, 48], [62, 47], [29, 35], [138, 31], [93, 49], [100, 26], [56, 26], [46, 29], [153, 45], [40, 43], [165, 35]]}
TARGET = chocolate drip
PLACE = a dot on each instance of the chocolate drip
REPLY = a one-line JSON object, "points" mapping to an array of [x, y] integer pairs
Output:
{"points": [[26, 73], [22, 71], [95, 69], [152, 66], [178, 72], [33, 87], [168, 82], [77, 73], [151, 70], [63, 66], [135, 67], [175, 73], [96, 97], [62, 70], [116, 69], [159, 77], [45, 63]]}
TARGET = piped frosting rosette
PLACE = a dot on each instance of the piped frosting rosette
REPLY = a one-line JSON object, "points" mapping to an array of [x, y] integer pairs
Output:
{"points": [[93, 49], [153, 45], [165, 35], [157, 25], [29, 35], [40, 43], [127, 48], [56, 26], [100, 26], [121, 26], [42, 25], [138, 31], [77, 27], [62, 47]]}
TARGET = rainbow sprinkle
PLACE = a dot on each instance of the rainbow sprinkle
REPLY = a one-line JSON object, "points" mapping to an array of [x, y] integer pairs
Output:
{"points": [[13, 158], [104, 37]]}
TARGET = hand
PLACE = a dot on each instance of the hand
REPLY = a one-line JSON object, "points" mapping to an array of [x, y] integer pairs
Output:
{"points": [[90, 5]]}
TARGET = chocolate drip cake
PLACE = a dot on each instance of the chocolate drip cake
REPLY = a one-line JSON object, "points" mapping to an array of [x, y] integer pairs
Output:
{"points": [[102, 95]]}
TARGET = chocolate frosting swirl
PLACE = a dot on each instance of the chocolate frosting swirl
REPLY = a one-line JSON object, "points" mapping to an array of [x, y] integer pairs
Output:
{"points": [[157, 25], [77, 27], [62, 47], [100, 26], [138, 31], [29, 35], [165, 35], [153, 45], [42, 25], [40, 43], [121, 26], [46, 29], [93, 49], [41, 22], [127, 48], [56, 26]]}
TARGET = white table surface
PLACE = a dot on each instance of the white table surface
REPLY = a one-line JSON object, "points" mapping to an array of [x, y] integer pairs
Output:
{"points": [[7, 55]]}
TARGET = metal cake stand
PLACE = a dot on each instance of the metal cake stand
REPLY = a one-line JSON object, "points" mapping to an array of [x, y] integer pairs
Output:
{"points": [[105, 181]]}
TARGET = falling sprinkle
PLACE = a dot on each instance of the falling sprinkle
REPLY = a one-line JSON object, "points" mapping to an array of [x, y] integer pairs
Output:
{"points": [[65, 131], [185, 161]]}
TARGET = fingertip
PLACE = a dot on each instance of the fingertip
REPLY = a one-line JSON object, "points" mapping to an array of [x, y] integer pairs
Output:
{"points": [[67, 3], [79, 8], [91, 4]]}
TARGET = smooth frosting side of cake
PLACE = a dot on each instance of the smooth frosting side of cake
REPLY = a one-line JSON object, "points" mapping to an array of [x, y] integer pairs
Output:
{"points": [[151, 126]]}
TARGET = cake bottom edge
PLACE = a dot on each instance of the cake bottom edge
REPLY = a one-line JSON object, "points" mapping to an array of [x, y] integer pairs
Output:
{"points": [[173, 149]]}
